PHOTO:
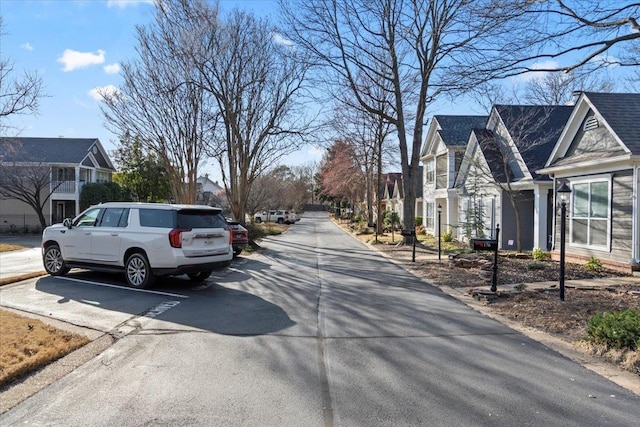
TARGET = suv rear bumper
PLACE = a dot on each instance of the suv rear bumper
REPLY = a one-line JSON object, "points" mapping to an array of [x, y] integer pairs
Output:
{"points": [[191, 268]]}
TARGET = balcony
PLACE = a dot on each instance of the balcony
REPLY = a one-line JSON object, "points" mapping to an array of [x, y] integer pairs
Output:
{"points": [[66, 187]]}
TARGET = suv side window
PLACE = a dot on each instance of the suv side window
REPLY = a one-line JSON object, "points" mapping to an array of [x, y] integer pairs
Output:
{"points": [[156, 218], [115, 217], [88, 219]]}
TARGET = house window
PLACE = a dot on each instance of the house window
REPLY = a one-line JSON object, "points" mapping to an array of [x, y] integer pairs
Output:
{"points": [[429, 216], [102, 176], [590, 213], [442, 171], [429, 173]]}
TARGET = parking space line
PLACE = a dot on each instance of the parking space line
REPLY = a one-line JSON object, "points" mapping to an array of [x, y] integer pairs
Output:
{"points": [[107, 285]]}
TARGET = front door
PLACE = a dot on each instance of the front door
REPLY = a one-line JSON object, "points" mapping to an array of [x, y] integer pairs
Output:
{"points": [[60, 212]]}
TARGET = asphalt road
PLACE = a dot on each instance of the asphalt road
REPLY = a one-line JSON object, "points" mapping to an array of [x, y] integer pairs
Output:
{"points": [[316, 330]]}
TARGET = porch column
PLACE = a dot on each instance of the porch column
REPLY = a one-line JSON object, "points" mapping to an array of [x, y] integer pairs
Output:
{"points": [[541, 212]]}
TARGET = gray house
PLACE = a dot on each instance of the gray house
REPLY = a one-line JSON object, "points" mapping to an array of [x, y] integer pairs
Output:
{"points": [[61, 166], [598, 156], [441, 157], [498, 182]]}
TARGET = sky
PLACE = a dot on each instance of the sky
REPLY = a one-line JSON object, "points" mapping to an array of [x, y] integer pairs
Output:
{"points": [[77, 47]]}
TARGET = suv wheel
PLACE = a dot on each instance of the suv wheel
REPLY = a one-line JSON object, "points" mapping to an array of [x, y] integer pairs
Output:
{"points": [[53, 262], [280, 221], [199, 277], [258, 220], [138, 272]]}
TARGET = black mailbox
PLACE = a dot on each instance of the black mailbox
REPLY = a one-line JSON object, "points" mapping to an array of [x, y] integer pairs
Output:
{"points": [[484, 244], [408, 232]]}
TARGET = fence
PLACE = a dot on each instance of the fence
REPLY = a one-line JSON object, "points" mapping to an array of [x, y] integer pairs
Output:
{"points": [[21, 223]]}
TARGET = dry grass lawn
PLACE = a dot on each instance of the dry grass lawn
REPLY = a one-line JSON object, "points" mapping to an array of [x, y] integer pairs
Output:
{"points": [[5, 247], [28, 344]]}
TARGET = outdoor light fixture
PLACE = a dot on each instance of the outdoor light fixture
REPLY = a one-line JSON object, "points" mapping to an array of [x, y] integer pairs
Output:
{"points": [[439, 234], [563, 192]]}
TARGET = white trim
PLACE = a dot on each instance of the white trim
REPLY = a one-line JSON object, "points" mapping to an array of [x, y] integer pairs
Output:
{"points": [[635, 250]]}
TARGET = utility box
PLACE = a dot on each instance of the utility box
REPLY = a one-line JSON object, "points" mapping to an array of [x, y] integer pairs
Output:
{"points": [[484, 244]]}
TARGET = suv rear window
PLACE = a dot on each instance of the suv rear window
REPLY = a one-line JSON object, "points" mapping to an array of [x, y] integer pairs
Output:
{"points": [[200, 219], [156, 218]]}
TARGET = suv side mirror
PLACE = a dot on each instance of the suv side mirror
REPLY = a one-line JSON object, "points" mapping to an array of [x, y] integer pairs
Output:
{"points": [[67, 223]]}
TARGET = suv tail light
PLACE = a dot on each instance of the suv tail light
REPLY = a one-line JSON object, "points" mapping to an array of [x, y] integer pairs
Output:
{"points": [[230, 230], [175, 237]]}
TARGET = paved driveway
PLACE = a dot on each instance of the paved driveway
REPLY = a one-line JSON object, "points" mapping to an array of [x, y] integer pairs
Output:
{"points": [[316, 330]]}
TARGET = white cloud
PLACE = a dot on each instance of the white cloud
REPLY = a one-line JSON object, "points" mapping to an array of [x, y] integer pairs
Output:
{"points": [[316, 152], [532, 75], [98, 93], [112, 68], [74, 60], [124, 3], [278, 38], [27, 46]]}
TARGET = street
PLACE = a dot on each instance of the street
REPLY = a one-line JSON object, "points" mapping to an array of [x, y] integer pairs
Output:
{"points": [[316, 330]]}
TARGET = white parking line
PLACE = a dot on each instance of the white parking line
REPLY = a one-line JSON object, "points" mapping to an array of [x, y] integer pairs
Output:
{"points": [[107, 285]]}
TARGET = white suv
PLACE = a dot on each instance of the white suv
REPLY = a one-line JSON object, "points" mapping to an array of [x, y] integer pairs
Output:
{"points": [[279, 216], [145, 240]]}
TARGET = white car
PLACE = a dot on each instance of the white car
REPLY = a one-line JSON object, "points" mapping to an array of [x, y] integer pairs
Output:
{"points": [[144, 240], [279, 216]]}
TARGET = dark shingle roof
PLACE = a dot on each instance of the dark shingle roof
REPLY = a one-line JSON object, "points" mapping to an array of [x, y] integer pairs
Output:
{"points": [[492, 154], [455, 130], [48, 150], [622, 112], [535, 130]]}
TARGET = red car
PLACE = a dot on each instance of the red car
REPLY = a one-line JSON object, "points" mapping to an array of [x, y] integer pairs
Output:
{"points": [[239, 235]]}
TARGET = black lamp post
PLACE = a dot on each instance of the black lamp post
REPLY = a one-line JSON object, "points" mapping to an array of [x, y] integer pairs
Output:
{"points": [[564, 192], [439, 234]]}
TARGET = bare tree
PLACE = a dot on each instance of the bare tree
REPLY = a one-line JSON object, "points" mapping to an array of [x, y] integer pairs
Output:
{"points": [[256, 80], [557, 88], [161, 103], [341, 178], [369, 136], [561, 35], [28, 182], [18, 94], [406, 48]]}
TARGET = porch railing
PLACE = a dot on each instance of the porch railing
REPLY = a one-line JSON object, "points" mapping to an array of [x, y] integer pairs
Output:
{"points": [[68, 187]]}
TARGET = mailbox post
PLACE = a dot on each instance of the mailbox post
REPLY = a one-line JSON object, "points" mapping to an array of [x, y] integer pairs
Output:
{"points": [[489, 245], [411, 233]]}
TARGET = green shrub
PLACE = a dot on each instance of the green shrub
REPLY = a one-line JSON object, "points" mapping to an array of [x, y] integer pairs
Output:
{"points": [[616, 329], [391, 220], [594, 264], [534, 266], [418, 221], [447, 236], [539, 255]]}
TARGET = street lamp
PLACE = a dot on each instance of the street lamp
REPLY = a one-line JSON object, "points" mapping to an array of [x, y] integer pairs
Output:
{"points": [[439, 234], [564, 192]]}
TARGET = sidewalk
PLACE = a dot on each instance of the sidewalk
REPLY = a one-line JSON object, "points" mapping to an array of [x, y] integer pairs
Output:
{"points": [[21, 264]]}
